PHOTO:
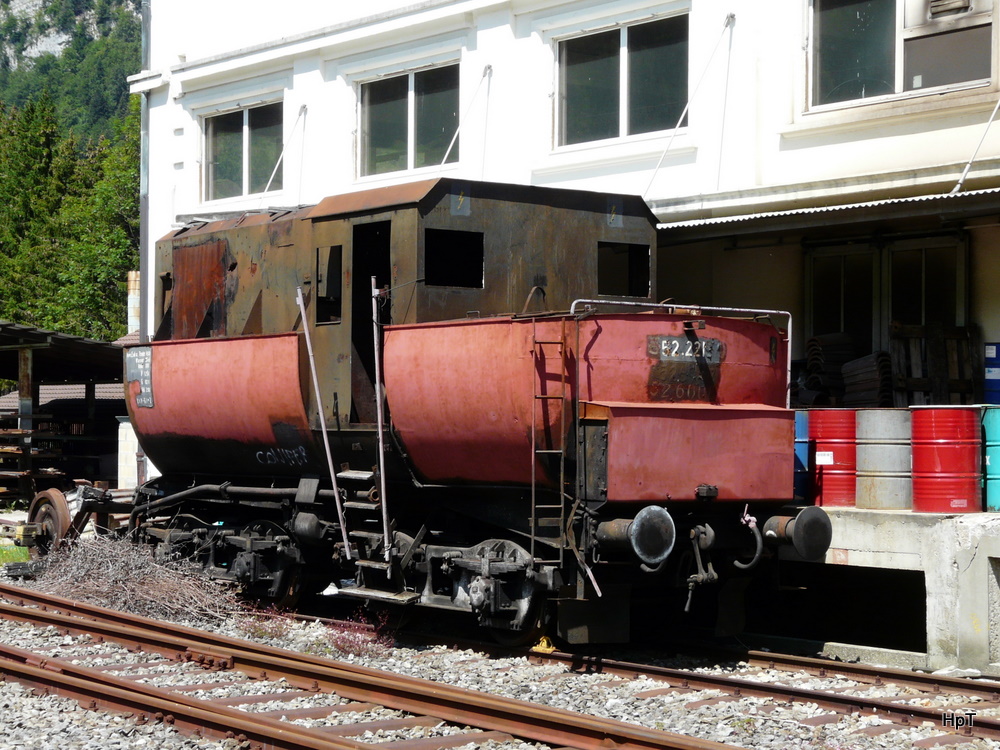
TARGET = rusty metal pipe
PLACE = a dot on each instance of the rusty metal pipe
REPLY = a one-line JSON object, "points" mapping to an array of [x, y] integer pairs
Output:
{"points": [[322, 419], [380, 417], [219, 490]]}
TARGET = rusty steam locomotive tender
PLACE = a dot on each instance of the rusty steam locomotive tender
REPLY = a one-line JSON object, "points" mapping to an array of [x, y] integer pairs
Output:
{"points": [[525, 467]]}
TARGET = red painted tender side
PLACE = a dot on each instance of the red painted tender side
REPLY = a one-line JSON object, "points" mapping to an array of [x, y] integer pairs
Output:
{"points": [[221, 405], [686, 401]]}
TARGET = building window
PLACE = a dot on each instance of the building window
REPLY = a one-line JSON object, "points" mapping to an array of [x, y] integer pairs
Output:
{"points": [[244, 152], [623, 82], [842, 288], [862, 290], [409, 121], [872, 48]]}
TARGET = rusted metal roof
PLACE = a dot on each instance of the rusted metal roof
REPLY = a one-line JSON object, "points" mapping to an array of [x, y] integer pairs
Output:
{"points": [[430, 191], [423, 194], [392, 196], [58, 357]]}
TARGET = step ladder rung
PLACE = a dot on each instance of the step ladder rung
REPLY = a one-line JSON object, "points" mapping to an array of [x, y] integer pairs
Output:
{"points": [[401, 597], [547, 520], [357, 505], [355, 475], [374, 564], [358, 534]]}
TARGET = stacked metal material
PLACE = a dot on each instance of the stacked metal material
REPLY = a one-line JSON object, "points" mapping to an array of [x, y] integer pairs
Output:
{"points": [[868, 381], [825, 356]]}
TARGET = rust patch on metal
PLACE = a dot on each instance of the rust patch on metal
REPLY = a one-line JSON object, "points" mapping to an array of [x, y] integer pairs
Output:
{"points": [[200, 280]]}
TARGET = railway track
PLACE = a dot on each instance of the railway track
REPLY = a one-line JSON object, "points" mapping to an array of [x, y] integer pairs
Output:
{"points": [[948, 710], [352, 701], [961, 708]]}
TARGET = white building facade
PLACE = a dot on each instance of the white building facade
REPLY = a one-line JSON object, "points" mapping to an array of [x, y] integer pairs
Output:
{"points": [[800, 157]]}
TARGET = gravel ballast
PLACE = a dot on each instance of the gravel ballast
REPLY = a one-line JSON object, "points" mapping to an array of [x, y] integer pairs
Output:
{"points": [[29, 721]]}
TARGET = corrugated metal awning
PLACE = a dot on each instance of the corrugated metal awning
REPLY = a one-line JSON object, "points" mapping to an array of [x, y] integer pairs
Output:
{"points": [[946, 206]]}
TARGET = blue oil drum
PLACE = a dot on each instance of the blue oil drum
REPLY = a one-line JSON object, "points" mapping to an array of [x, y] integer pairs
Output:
{"points": [[801, 479], [991, 460], [991, 383]]}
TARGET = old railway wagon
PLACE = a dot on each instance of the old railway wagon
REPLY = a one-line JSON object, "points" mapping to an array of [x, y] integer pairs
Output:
{"points": [[550, 441]]}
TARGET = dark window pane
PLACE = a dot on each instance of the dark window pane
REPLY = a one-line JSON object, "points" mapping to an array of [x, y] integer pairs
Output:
{"points": [[859, 299], [329, 290], [265, 147], [941, 269], [907, 287], [437, 115], [384, 112], [827, 284], [657, 74], [843, 297], [590, 87], [940, 59], [854, 49], [225, 158]]}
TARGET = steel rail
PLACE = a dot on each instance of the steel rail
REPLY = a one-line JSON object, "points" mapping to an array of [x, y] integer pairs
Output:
{"points": [[899, 713], [98, 690], [988, 690], [552, 726]]}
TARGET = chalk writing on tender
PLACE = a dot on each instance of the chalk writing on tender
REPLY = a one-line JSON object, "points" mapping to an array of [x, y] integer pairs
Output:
{"points": [[283, 456]]}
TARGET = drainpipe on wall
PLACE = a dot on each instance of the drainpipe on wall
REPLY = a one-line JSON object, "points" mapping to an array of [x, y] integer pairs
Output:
{"points": [[145, 276]]}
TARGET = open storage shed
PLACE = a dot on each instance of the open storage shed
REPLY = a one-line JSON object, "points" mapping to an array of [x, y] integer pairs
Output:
{"points": [[59, 424]]}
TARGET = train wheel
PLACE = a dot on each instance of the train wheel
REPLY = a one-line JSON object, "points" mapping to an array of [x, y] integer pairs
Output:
{"points": [[51, 512]]}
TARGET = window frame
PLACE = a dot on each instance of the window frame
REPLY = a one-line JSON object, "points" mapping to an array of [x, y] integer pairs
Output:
{"points": [[246, 164], [906, 27], [623, 83], [881, 255], [452, 151]]}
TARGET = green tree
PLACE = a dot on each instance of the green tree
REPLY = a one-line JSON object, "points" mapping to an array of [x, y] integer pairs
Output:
{"points": [[69, 223], [98, 239]]}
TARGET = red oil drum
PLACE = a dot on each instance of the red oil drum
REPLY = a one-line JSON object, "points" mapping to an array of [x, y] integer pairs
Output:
{"points": [[834, 470], [947, 464]]}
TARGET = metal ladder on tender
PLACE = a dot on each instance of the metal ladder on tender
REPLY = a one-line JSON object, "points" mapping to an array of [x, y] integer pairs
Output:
{"points": [[366, 535], [548, 520]]}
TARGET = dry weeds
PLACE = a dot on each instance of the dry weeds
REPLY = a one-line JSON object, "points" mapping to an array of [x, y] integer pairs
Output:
{"points": [[114, 573]]}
